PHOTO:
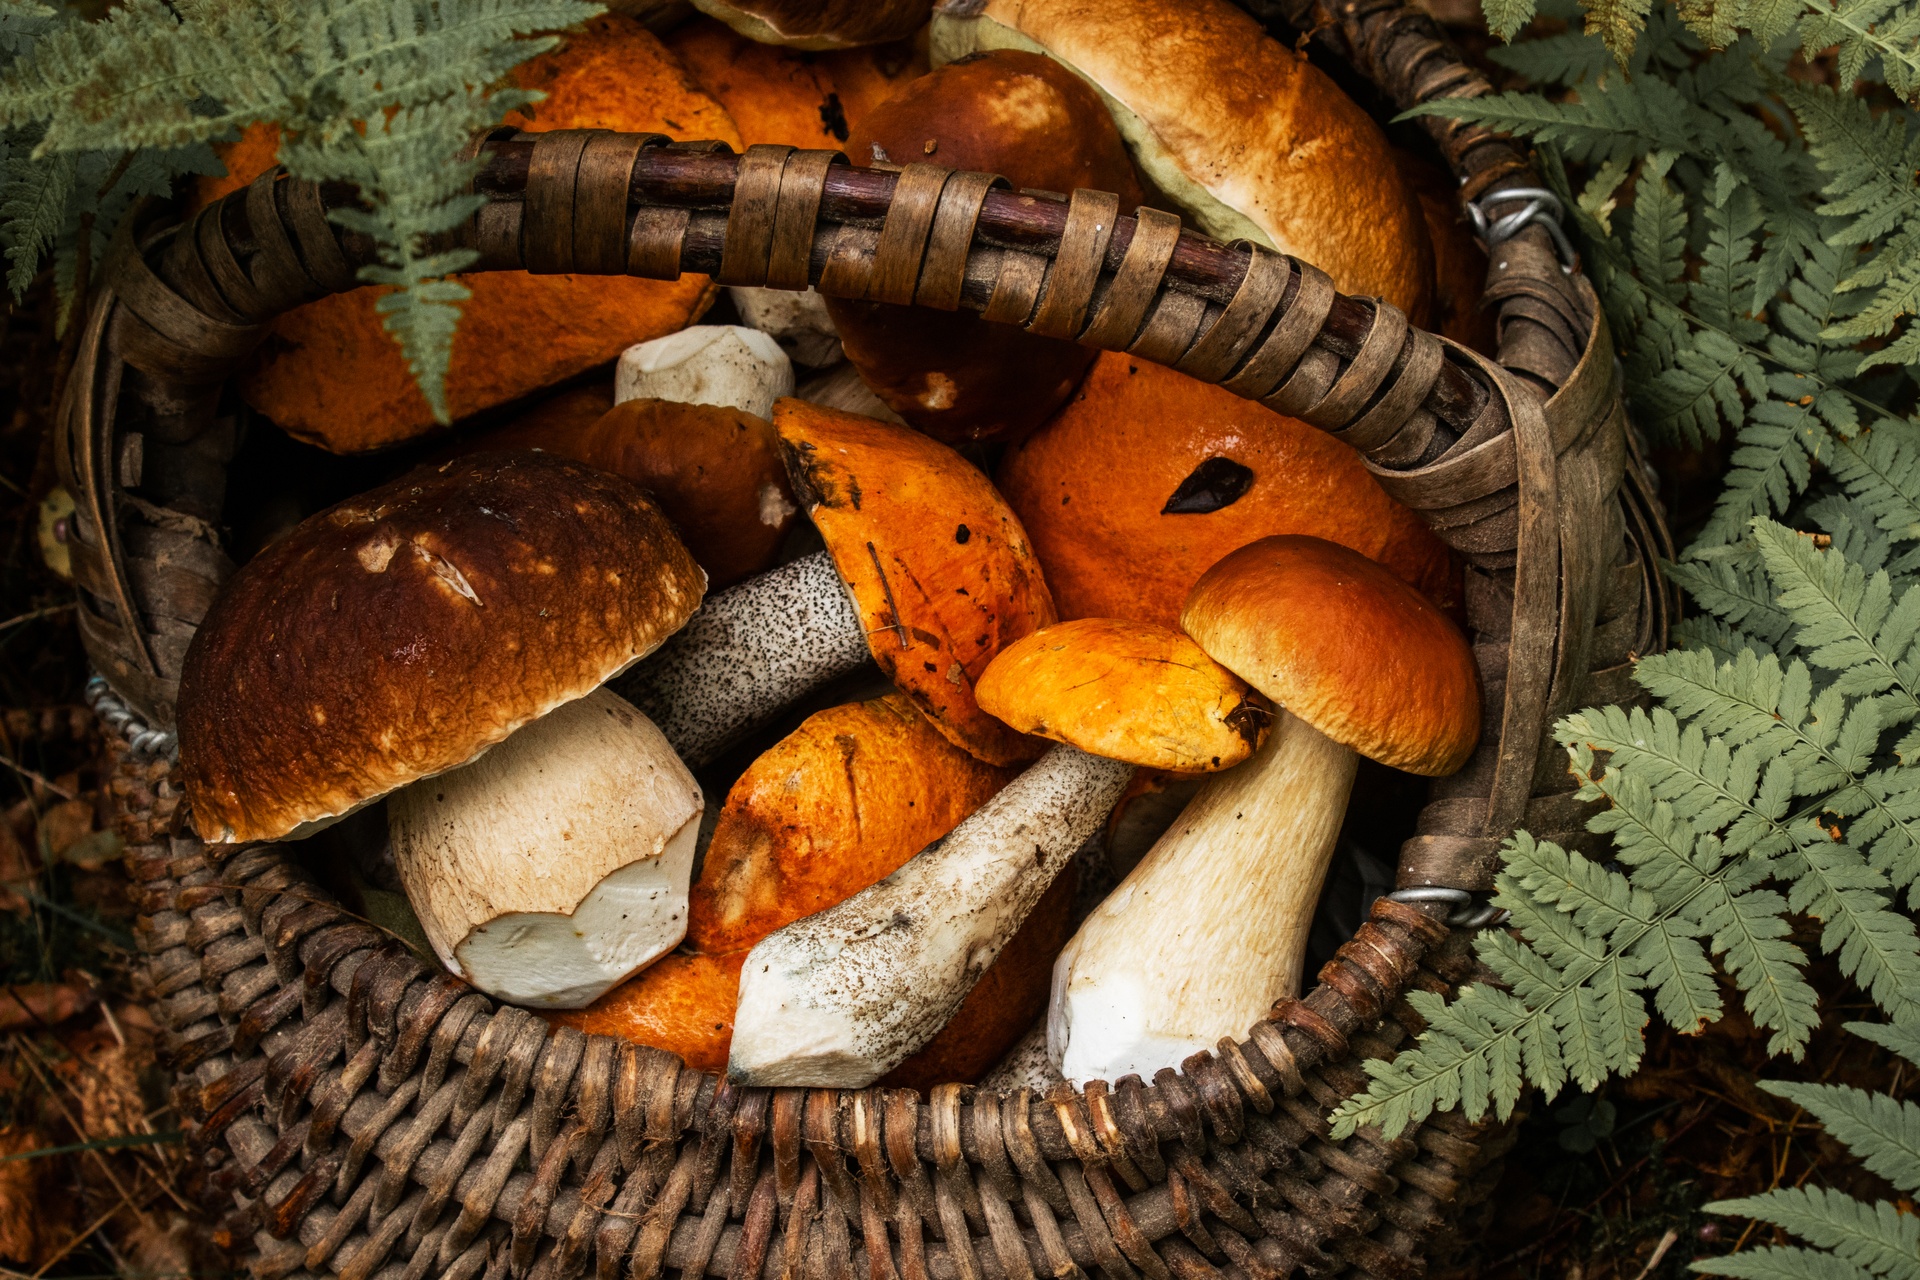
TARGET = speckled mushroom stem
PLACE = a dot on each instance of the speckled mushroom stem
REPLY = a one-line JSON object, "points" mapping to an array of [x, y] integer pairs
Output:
{"points": [[842, 997], [750, 651], [1210, 929]]}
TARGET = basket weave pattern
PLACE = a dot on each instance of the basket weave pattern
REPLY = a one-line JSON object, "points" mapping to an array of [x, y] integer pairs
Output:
{"points": [[362, 1114]]}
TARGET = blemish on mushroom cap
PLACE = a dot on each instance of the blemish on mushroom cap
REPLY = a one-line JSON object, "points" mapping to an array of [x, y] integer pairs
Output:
{"points": [[257, 764]]}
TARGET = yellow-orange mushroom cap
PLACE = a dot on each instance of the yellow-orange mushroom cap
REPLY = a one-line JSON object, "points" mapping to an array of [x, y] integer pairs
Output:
{"points": [[936, 562], [1132, 691], [1344, 645]]}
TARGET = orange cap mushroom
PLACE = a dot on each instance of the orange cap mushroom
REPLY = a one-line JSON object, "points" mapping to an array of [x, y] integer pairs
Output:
{"points": [[1356, 661], [938, 566], [333, 376], [1164, 474], [1092, 681]]}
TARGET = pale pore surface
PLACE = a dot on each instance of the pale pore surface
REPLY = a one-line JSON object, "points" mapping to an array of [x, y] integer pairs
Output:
{"points": [[724, 364], [842, 997], [1210, 929], [751, 650], [557, 864]]}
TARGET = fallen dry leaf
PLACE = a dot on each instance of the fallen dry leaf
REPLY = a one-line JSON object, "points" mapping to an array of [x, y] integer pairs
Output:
{"points": [[25, 1233], [25, 1005], [65, 825]]}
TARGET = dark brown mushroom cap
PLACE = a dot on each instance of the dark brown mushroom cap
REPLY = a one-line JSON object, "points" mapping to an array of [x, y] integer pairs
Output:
{"points": [[1346, 646], [403, 632]]}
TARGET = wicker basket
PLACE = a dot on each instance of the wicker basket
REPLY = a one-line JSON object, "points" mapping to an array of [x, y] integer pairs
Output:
{"points": [[356, 1111]]}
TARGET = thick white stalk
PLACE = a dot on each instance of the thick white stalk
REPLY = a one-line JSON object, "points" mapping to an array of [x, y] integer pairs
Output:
{"points": [[750, 651], [842, 997], [1211, 928], [555, 865]]}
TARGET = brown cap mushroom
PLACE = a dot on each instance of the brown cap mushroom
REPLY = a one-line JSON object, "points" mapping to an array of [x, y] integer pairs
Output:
{"points": [[402, 635], [953, 375], [1245, 135], [820, 24], [331, 374], [714, 470], [1164, 474], [1092, 682], [926, 571], [681, 1003], [841, 997], [1208, 931]]}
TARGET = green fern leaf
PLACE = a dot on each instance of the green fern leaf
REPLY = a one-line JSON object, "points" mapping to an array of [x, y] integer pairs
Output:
{"points": [[1782, 1262], [1876, 1237], [1884, 1134]]}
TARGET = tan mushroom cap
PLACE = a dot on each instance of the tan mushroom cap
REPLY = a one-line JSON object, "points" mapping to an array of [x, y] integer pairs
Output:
{"points": [[405, 631], [1346, 646], [936, 562], [1132, 691]]}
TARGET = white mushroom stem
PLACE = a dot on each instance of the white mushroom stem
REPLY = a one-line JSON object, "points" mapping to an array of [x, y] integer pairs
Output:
{"points": [[1211, 928], [750, 651], [797, 320], [842, 997], [725, 364], [555, 865]]}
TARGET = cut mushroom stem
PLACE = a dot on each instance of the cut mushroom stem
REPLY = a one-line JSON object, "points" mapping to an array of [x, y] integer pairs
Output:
{"points": [[749, 652], [726, 364], [555, 865], [1238, 875], [840, 998]]}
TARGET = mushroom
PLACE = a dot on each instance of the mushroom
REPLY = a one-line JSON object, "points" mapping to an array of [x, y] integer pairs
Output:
{"points": [[820, 24], [833, 807], [953, 375], [1209, 930], [797, 320], [724, 364], [556, 864], [332, 375], [925, 569], [839, 998], [1206, 472], [714, 470], [1249, 139], [442, 634]]}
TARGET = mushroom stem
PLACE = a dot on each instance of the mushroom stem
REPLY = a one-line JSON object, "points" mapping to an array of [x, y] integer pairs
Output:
{"points": [[750, 651], [1210, 929], [556, 864], [840, 998]]}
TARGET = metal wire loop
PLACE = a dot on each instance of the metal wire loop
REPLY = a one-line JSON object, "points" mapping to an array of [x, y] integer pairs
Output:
{"points": [[145, 741], [1543, 208], [1466, 913]]}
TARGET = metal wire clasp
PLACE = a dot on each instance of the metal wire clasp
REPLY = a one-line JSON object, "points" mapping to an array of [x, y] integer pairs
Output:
{"points": [[1543, 208], [1466, 913], [145, 741]]}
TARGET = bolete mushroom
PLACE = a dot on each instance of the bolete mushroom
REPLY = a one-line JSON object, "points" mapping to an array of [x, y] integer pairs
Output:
{"points": [[839, 998], [820, 24], [1248, 138], [925, 570], [332, 375], [1208, 931], [953, 375], [443, 634], [714, 470], [1204, 472], [839, 803], [724, 364]]}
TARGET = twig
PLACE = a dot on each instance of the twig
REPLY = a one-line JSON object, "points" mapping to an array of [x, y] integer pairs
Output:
{"points": [[899, 624], [1659, 1252], [47, 612], [36, 779]]}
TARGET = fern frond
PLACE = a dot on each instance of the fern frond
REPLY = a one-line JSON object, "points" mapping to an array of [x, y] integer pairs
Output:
{"points": [[1883, 1133], [1877, 1237], [1782, 1262]]}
